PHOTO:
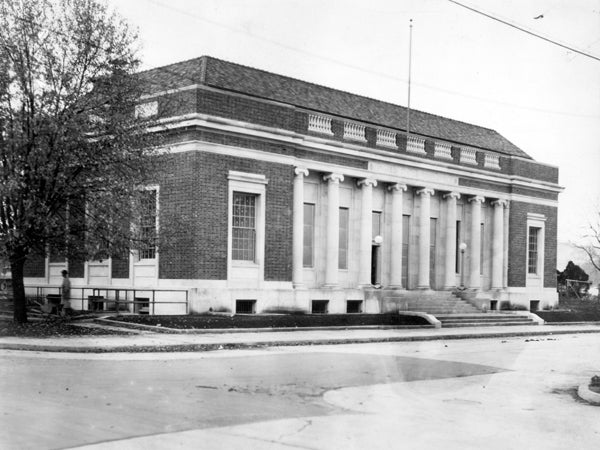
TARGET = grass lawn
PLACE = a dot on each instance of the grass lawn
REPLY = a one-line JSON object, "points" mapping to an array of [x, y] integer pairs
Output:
{"points": [[573, 310], [206, 321]]}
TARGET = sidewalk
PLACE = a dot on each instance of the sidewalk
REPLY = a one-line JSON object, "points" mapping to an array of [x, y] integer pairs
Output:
{"points": [[148, 341]]}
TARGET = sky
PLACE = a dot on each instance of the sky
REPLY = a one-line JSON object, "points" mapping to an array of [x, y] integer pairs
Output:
{"points": [[542, 97]]}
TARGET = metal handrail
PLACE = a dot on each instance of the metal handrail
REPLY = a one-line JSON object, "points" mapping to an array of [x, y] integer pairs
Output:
{"points": [[96, 291]]}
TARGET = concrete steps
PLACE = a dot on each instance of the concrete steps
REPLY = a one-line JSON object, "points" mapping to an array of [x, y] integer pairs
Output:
{"points": [[483, 320], [431, 303]]}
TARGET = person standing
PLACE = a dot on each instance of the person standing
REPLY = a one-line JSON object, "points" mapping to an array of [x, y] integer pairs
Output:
{"points": [[65, 294]]}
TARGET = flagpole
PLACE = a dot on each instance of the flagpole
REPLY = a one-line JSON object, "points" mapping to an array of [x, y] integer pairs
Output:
{"points": [[409, 75]]}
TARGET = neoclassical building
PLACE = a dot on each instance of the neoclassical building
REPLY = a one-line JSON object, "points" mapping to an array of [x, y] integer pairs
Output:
{"points": [[299, 196]]}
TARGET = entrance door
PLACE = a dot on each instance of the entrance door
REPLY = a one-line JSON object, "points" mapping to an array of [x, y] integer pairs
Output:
{"points": [[375, 265]]}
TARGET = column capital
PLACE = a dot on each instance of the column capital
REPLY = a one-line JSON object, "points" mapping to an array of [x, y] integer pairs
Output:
{"points": [[301, 171], [367, 182], [477, 199], [397, 187], [452, 196], [501, 203], [334, 178], [425, 191]]}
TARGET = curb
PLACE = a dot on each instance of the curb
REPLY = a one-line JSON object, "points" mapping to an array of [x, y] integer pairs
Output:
{"points": [[588, 395], [198, 347]]}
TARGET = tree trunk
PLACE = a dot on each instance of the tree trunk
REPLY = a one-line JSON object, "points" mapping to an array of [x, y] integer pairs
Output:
{"points": [[17, 262]]}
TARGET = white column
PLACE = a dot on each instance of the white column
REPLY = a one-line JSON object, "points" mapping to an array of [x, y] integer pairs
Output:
{"points": [[396, 237], [506, 238], [450, 248], [424, 237], [333, 227], [298, 227], [498, 244], [475, 247], [366, 230]]}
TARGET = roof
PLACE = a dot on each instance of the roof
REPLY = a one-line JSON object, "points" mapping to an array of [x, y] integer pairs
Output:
{"points": [[233, 77]]}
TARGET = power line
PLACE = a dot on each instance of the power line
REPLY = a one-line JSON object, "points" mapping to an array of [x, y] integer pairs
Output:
{"points": [[524, 30], [365, 70], [335, 61]]}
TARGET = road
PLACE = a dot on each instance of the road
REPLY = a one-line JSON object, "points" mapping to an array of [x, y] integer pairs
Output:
{"points": [[479, 393]]}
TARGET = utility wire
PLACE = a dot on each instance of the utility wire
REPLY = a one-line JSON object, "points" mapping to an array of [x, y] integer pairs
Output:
{"points": [[524, 30], [335, 61], [365, 70]]}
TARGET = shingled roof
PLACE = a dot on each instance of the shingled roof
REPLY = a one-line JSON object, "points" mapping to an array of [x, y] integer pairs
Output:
{"points": [[259, 83]]}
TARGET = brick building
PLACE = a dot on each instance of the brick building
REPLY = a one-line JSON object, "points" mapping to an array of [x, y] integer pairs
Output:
{"points": [[294, 195]]}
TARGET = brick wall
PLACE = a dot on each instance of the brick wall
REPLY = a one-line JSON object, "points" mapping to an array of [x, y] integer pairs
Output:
{"points": [[194, 133], [532, 169], [246, 109], [517, 249], [289, 117], [194, 208]]}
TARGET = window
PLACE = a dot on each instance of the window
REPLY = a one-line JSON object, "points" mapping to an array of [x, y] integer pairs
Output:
{"points": [[533, 250], [343, 242], [405, 246], [376, 223], [148, 221], [354, 306], [243, 229], [245, 306], [458, 242], [432, 249], [481, 249], [320, 306], [309, 234]]}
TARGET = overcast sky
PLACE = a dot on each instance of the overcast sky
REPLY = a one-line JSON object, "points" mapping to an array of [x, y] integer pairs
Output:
{"points": [[542, 97]]}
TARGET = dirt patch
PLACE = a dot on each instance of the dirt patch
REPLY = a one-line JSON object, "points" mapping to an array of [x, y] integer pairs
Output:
{"points": [[51, 327], [208, 321]]}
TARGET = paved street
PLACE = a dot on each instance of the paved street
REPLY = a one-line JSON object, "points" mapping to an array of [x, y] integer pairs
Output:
{"points": [[481, 393]]}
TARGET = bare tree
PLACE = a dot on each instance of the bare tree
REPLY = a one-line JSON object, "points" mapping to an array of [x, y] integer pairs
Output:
{"points": [[591, 242], [72, 151]]}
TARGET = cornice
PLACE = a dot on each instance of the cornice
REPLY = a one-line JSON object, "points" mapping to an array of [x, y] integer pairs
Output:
{"points": [[347, 149]]}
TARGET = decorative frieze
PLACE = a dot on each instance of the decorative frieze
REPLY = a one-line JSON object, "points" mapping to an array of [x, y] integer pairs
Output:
{"points": [[415, 145], [491, 161], [319, 124], [386, 138], [468, 156], [443, 150], [354, 132]]}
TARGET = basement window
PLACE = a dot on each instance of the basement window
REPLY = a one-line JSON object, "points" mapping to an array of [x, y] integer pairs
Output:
{"points": [[320, 306], [354, 306], [245, 306]]}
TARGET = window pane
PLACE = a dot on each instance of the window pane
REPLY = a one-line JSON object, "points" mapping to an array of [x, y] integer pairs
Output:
{"points": [[243, 242], [458, 242], [148, 224], [481, 249], [405, 255], [309, 231], [343, 241], [376, 223], [532, 262]]}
